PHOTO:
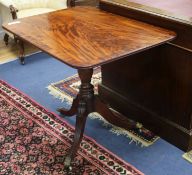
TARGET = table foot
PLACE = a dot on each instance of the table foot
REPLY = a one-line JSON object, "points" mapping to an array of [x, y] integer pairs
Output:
{"points": [[22, 60], [79, 130], [84, 105], [21, 52], [67, 164], [72, 111], [6, 39]]}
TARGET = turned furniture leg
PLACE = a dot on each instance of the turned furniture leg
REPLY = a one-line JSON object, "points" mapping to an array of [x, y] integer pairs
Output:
{"points": [[6, 39], [79, 130], [72, 111], [21, 51], [85, 106], [15, 39]]}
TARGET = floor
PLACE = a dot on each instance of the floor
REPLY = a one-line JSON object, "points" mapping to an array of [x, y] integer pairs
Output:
{"points": [[41, 70], [10, 52]]}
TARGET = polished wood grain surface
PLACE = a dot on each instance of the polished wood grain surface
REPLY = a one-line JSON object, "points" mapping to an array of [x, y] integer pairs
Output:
{"points": [[85, 37]]}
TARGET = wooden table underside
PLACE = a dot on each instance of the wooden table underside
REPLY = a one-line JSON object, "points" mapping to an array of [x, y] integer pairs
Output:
{"points": [[83, 38]]}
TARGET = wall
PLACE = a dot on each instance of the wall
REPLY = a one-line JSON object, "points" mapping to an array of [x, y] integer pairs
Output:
{"points": [[1, 30]]}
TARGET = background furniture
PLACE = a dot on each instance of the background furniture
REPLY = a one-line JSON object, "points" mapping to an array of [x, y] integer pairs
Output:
{"points": [[16, 9], [86, 2], [155, 87]]}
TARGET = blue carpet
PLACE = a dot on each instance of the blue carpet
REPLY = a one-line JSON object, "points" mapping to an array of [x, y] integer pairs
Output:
{"points": [[40, 70]]}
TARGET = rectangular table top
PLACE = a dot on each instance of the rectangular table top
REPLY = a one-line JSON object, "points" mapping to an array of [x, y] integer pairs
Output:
{"points": [[85, 37]]}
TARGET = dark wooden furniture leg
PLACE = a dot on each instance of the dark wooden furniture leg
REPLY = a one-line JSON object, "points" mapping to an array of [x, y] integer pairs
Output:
{"points": [[21, 52], [13, 11], [72, 111], [6, 39], [84, 104], [84, 107]]}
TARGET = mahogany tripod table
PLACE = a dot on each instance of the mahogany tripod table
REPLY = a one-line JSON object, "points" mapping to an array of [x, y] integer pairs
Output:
{"points": [[84, 38]]}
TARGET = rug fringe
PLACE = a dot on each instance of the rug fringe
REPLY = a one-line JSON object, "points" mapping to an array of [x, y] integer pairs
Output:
{"points": [[57, 93], [119, 131], [58, 132], [188, 156]]}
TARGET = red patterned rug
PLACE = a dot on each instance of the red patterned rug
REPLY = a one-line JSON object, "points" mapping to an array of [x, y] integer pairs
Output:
{"points": [[34, 141]]}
